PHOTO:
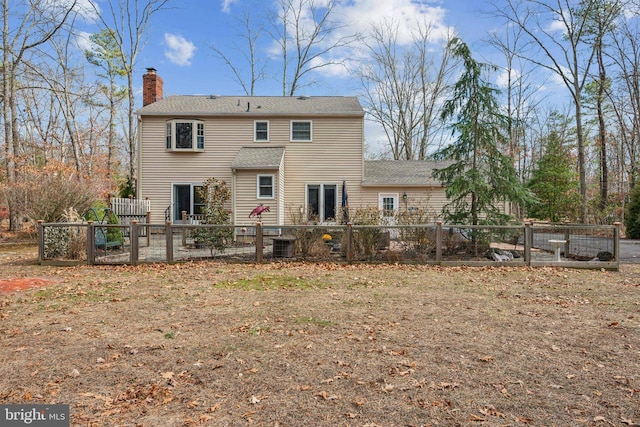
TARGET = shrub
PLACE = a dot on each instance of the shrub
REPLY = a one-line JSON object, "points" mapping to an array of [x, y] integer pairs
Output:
{"points": [[632, 216], [45, 193], [215, 195], [66, 242]]}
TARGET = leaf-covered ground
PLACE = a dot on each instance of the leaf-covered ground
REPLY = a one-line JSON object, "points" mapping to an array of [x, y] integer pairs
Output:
{"points": [[323, 345]]}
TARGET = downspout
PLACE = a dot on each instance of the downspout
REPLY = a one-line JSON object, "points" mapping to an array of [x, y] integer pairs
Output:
{"points": [[139, 151], [234, 215]]}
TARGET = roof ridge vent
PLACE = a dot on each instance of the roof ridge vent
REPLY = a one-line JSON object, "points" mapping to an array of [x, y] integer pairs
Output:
{"points": [[304, 97]]}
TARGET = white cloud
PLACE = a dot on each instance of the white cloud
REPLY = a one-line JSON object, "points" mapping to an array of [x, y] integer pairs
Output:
{"points": [[503, 78], [179, 50], [631, 10], [88, 10], [557, 25], [361, 15], [328, 69], [226, 5], [83, 42]]}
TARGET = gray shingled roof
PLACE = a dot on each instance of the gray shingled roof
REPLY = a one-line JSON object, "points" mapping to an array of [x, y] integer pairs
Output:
{"points": [[258, 158], [212, 105], [400, 172]]}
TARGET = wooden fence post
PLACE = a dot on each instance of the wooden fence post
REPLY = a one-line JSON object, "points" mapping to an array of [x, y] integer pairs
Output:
{"points": [[168, 232], [438, 241], [259, 242], [133, 237], [40, 241], [148, 228], [616, 241], [349, 242], [528, 242], [567, 239], [91, 243], [184, 231]]}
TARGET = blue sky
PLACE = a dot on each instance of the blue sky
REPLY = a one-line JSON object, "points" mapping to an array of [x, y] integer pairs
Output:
{"points": [[180, 38], [179, 41]]}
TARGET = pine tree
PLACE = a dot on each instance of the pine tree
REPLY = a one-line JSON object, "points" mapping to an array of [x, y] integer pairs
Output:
{"points": [[554, 183], [479, 179], [632, 215]]}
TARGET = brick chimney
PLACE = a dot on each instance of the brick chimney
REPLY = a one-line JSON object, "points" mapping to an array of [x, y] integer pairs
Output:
{"points": [[151, 87]]}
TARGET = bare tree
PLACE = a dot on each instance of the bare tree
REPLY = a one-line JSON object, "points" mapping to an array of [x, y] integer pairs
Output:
{"points": [[65, 81], [26, 26], [128, 21], [250, 34], [625, 94], [307, 36], [601, 25], [569, 56], [404, 88], [521, 95]]}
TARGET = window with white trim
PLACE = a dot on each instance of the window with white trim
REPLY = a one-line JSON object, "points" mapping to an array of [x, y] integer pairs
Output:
{"points": [[265, 187], [187, 135], [388, 204], [261, 131], [322, 200], [301, 130]]}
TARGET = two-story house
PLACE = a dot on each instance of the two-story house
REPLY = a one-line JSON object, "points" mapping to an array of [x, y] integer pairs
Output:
{"points": [[296, 155]]}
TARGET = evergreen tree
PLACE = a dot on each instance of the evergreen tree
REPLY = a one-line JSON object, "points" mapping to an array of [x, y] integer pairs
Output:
{"points": [[479, 179], [632, 215], [554, 183]]}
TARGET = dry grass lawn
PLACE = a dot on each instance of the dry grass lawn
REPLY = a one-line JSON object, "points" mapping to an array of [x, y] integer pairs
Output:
{"points": [[210, 344]]}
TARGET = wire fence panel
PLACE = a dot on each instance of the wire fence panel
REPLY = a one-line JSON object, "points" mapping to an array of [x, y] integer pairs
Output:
{"points": [[575, 242], [576, 246], [497, 244], [63, 242], [111, 244], [207, 241], [152, 244]]}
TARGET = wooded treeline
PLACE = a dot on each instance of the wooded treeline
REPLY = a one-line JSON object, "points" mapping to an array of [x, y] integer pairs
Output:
{"points": [[566, 75]]}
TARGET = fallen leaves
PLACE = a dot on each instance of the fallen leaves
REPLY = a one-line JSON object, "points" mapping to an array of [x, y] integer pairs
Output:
{"points": [[327, 396]]}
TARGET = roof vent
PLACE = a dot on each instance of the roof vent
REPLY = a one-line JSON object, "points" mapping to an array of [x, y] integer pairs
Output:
{"points": [[303, 97], [214, 96]]}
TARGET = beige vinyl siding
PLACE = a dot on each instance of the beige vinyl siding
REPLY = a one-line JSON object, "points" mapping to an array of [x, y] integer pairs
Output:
{"points": [[431, 198], [246, 200], [160, 167], [334, 155]]}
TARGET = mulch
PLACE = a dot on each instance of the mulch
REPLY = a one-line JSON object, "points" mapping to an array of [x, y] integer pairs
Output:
{"points": [[23, 283]]}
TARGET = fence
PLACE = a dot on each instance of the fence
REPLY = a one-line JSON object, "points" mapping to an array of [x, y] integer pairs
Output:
{"points": [[126, 206], [574, 246]]}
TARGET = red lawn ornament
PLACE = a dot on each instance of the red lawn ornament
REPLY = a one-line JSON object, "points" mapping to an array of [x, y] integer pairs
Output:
{"points": [[257, 212]]}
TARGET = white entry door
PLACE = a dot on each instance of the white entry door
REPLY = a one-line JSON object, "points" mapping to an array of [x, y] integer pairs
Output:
{"points": [[388, 205]]}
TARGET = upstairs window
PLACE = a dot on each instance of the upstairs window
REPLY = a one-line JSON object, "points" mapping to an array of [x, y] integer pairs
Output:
{"points": [[185, 135], [301, 130], [261, 131]]}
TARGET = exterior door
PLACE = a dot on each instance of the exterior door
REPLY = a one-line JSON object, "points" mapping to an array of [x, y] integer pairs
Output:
{"points": [[322, 201], [186, 198], [388, 205]]}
